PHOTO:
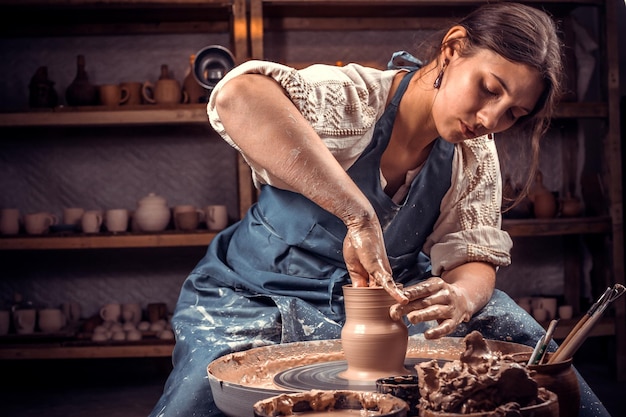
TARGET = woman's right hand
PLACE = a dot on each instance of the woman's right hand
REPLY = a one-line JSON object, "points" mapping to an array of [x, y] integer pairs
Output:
{"points": [[366, 258]]}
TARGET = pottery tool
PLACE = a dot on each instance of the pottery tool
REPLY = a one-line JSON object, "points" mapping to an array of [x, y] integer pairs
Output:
{"points": [[542, 344], [582, 329]]}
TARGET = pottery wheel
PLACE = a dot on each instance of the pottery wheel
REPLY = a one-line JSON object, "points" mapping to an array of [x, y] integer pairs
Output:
{"points": [[325, 375]]}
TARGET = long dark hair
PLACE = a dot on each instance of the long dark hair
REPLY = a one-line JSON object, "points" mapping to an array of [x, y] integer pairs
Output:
{"points": [[525, 35]]}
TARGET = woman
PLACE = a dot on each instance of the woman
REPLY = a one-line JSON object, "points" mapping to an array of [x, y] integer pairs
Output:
{"points": [[375, 178]]}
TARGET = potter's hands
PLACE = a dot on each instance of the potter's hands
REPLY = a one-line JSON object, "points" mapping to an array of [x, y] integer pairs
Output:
{"points": [[434, 299], [366, 258]]}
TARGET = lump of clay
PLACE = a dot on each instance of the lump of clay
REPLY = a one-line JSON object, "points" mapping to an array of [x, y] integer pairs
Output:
{"points": [[480, 381]]}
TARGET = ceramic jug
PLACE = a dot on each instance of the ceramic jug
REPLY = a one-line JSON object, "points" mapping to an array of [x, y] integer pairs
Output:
{"points": [[41, 90], [195, 92], [152, 214], [544, 202], [81, 92], [165, 91], [374, 344], [571, 206]]}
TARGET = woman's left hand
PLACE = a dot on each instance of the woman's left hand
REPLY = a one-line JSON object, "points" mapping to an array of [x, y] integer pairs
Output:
{"points": [[434, 299]]}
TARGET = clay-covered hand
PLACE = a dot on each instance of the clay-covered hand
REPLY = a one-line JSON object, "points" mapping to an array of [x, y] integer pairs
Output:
{"points": [[366, 259], [434, 299]]}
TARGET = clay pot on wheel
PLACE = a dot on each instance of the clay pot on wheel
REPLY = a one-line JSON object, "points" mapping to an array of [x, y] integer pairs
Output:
{"points": [[152, 214], [374, 344]]}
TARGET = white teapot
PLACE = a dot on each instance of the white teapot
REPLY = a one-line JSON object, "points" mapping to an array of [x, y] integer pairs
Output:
{"points": [[152, 214]]}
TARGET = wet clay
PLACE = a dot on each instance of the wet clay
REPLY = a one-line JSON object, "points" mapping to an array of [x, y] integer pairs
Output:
{"points": [[340, 403], [480, 381], [374, 344]]}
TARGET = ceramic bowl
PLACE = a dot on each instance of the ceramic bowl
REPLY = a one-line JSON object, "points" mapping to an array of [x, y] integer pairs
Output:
{"points": [[332, 404], [211, 64]]}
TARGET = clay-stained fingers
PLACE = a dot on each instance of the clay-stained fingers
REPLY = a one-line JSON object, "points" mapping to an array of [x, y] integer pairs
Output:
{"points": [[387, 282], [424, 288], [444, 328]]}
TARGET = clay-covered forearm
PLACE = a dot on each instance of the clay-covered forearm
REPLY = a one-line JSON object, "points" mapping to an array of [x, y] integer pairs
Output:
{"points": [[476, 281], [272, 134]]}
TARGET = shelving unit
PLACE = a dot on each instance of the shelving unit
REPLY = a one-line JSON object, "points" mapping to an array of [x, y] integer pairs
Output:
{"points": [[347, 15], [76, 17], [50, 18]]}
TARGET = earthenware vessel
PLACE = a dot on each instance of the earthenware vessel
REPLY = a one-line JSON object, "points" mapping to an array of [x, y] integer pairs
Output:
{"points": [[548, 408], [152, 214], [195, 92], [544, 202], [41, 90], [571, 206], [166, 90], [81, 92], [559, 378], [374, 344]]}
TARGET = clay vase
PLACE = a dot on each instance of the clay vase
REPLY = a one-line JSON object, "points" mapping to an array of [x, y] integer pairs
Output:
{"points": [[152, 214], [81, 92], [41, 90], [195, 92], [374, 345], [571, 206], [544, 202]]}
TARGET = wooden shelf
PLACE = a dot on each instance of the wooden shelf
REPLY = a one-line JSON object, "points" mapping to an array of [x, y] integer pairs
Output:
{"points": [[183, 114], [84, 350], [557, 227], [107, 240], [107, 116]]}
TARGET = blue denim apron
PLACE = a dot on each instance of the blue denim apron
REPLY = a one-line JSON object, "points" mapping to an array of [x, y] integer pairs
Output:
{"points": [[276, 276]]}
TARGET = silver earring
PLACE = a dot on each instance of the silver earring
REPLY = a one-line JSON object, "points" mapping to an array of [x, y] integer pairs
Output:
{"points": [[437, 82]]}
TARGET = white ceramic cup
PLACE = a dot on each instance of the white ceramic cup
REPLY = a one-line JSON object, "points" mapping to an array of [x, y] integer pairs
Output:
{"points": [[131, 313], [39, 223], [116, 220], [24, 320], [91, 221], [73, 215], [566, 312], [5, 321], [216, 216], [51, 320], [111, 312], [9, 221]]}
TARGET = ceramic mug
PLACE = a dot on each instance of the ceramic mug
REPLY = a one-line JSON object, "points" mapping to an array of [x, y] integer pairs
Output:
{"points": [[131, 313], [91, 221], [165, 91], [39, 223], [24, 320], [111, 312], [216, 217], [116, 220], [113, 94], [51, 320], [5, 321], [9, 221], [134, 92], [73, 215], [187, 217]]}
